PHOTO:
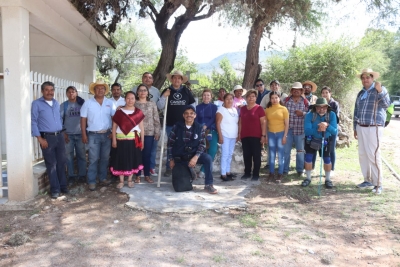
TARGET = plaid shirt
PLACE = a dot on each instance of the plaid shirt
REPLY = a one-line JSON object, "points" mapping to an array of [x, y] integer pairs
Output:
{"points": [[364, 108], [296, 123], [187, 136]]}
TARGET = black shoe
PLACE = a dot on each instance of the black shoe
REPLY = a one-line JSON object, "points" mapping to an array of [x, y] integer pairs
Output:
{"points": [[245, 176], [226, 178], [255, 178], [82, 179], [65, 191], [266, 167], [328, 184], [55, 195], [232, 175], [306, 183], [71, 180]]}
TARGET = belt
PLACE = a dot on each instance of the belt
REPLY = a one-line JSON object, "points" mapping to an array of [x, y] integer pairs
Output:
{"points": [[369, 125], [50, 133], [98, 132]]}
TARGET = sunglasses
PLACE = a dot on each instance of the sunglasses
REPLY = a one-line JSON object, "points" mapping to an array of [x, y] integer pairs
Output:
{"points": [[259, 85]]}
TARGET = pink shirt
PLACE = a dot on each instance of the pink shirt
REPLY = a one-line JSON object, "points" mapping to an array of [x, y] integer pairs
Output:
{"points": [[238, 102]]}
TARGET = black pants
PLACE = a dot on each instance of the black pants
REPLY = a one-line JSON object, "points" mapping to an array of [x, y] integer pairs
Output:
{"points": [[251, 155]]}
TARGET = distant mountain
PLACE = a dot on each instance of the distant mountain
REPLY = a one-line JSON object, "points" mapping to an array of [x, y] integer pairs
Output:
{"points": [[237, 60]]}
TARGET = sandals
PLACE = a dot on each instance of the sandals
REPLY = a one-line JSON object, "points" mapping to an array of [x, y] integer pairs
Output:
{"points": [[148, 179], [120, 185], [131, 184], [306, 183], [137, 179]]}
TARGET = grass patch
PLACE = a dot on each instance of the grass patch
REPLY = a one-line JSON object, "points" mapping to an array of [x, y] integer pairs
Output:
{"points": [[219, 259], [180, 260], [257, 238], [249, 220]]}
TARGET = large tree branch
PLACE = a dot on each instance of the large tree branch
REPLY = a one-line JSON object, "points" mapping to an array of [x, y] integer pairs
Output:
{"points": [[205, 16]]}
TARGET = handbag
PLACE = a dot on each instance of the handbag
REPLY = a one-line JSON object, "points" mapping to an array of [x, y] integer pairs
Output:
{"points": [[316, 143]]}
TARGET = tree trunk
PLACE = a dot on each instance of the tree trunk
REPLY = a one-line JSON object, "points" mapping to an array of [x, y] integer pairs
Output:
{"points": [[252, 51]]}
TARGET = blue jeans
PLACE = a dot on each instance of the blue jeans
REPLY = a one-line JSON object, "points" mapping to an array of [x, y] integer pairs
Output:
{"points": [[212, 150], [168, 131], [226, 154], [99, 153], [75, 143], [146, 153], [275, 145], [298, 141], [207, 162], [153, 154], [54, 159]]}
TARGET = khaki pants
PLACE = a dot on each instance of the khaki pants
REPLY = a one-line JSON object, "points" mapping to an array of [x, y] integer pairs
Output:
{"points": [[370, 163]]}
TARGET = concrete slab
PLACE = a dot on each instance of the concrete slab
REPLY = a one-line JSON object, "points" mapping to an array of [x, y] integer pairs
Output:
{"points": [[145, 196]]}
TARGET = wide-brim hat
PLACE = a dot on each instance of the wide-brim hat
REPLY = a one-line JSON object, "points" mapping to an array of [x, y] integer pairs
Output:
{"points": [[98, 82], [296, 85], [177, 73], [375, 74], [239, 87], [321, 101], [313, 85]]}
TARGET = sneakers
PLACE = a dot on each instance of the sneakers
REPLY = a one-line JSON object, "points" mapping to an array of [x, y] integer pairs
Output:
{"points": [[201, 174], [377, 190], [168, 173], [328, 184], [153, 172], [365, 185], [210, 189]]}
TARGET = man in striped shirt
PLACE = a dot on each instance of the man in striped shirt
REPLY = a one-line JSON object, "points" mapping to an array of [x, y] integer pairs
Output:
{"points": [[369, 121]]}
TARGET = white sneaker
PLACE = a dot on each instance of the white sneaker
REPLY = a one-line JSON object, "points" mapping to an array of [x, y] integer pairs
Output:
{"points": [[153, 172], [377, 190]]}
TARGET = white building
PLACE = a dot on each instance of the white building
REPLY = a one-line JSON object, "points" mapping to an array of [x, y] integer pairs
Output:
{"points": [[45, 36]]}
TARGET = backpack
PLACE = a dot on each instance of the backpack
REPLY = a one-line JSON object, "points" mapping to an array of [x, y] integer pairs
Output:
{"points": [[326, 117], [181, 177]]}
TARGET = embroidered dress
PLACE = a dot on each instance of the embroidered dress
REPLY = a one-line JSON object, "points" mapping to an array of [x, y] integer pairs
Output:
{"points": [[128, 154]]}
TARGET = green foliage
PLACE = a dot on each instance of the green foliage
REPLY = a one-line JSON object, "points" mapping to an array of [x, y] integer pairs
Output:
{"points": [[393, 73], [227, 79], [133, 55], [333, 64]]}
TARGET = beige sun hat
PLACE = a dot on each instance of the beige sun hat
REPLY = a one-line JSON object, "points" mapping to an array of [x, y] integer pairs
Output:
{"points": [[239, 87], [369, 71], [177, 73], [98, 82], [313, 85], [296, 85]]}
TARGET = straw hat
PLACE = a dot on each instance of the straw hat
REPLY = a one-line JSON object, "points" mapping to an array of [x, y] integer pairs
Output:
{"points": [[375, 74], [313, 86], [98, 82], [297, 85], [177, 73], [239, 87]]}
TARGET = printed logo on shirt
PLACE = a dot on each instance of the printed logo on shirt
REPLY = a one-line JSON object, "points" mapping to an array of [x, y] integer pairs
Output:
{"points": [[150, 96], [74, 112], [195, 136], [178, 100]]}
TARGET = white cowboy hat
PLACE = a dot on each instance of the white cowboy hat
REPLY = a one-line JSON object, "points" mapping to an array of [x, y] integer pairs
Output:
{"points": [[313, 86], [375, 74], [177, 73], [297, 85], [239, 87], [98, 82]]}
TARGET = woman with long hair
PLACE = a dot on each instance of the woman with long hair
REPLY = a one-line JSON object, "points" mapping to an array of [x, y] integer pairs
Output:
{"points": [[277, 120], [128, 139], [151, 125], [227, 119]]}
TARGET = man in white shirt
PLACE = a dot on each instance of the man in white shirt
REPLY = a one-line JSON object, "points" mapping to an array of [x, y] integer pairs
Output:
{"points": [[117, 99], [96, 115]]}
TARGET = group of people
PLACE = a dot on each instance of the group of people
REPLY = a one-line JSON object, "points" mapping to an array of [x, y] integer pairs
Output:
{"points": [[121, 134]]}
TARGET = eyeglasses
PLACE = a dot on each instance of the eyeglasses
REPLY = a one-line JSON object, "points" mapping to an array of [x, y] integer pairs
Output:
{"points": [[307, 87], [259, 85]]}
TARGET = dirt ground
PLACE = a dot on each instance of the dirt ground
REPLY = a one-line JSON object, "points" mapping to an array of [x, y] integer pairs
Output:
{"points": [[285, 225]]}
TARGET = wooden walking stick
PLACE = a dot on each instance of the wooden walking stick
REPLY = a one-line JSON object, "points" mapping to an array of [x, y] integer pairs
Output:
{"points": [[162, 142]]}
